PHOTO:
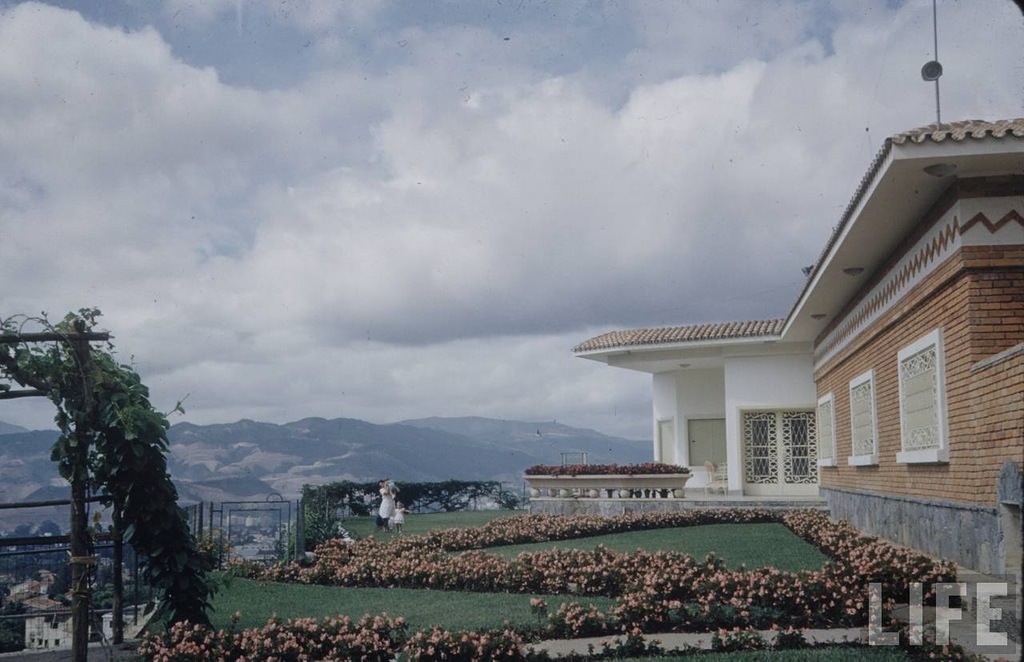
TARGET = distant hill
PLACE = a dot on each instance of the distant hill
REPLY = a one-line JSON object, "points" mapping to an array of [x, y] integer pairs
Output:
{"points": [[318, 450], [249, 459], [543, 441], [25, 465], [7, 428]]}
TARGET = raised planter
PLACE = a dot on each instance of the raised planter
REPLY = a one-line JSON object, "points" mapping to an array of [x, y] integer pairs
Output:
{"points": [[608, 486]]}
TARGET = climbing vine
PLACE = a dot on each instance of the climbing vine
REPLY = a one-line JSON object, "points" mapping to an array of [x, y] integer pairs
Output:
{"points": [[108, 407]]}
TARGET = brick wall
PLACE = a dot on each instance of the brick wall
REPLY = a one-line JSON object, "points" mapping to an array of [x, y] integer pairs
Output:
{"points": [[977, 298]]}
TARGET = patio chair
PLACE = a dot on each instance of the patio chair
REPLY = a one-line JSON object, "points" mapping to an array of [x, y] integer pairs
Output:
{"points": [[718, 478]]}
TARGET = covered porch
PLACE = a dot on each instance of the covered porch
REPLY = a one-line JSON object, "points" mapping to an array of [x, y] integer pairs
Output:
{"points": [[729, 396]]}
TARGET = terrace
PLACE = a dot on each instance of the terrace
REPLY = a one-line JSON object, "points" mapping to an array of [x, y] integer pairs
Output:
{"points": [[609, 490]]}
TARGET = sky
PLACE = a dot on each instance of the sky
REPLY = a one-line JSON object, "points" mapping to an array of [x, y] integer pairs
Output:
{"points": [[389, 210]]}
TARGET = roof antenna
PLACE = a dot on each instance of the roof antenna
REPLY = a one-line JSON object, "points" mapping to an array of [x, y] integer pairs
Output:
{"points": [[932, 70]]}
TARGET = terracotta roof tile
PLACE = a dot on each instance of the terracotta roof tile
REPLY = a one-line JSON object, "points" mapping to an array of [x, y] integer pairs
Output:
{"points": [[960, 131], [681, 334]]}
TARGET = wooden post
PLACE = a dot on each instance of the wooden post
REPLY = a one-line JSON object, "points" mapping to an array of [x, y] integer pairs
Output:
{"points": [[300, 527], [80, 557], [117, 604]]}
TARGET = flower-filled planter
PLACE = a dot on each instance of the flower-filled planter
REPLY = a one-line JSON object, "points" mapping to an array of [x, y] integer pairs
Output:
{"points": [[651, 480]]}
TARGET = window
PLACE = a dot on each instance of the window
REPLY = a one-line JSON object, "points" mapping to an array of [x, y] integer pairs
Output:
{"points": [[862, 420], [923, 434], [826, 432]]}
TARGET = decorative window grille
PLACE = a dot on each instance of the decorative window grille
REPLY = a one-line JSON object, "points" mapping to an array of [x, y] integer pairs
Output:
{"points": [[922, 400], [800, 459], [761, 460], [826, 429], [862, 416]]}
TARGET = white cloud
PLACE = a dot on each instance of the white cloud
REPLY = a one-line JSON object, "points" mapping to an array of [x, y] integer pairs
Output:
{"points": [[428, 209]]}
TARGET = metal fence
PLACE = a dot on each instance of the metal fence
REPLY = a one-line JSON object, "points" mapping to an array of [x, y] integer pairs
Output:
{"points": [[257, 530], [35, 580]]}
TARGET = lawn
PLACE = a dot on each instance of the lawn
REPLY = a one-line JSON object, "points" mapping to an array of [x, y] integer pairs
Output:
{"points": [[362, 527], [756, 545], [257, 601], [753, 545]]}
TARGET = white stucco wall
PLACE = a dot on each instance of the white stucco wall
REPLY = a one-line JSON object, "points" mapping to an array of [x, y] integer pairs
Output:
{"points": [[664, 408], [682, 395], [762, 382], [699, 394]]}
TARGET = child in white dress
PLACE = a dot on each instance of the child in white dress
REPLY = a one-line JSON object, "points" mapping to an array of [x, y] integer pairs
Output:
{"points": [[398, 517]]}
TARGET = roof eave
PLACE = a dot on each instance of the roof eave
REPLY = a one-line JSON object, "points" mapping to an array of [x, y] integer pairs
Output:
{"points": [[661, 347]]}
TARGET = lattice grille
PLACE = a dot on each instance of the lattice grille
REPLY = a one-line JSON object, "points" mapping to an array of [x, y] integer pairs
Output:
{"points": [[800, 448], [824, 430], [761, 458], [919, 392], [861, 400]]}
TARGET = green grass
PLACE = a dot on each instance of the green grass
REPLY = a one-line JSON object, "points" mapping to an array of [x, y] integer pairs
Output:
{"points": [[362, 527], [257, 601], [828, 654], [753, 545]]}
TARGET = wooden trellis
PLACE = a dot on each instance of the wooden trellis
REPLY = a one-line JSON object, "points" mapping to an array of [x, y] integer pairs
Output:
{"points": [[81, 560]]}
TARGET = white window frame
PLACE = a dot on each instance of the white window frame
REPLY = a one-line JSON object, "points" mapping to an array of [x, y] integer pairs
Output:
{"points": [[929, 455], [871, 458], [830, 400]]}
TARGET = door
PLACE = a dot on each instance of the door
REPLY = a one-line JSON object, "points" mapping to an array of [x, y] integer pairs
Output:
{"points": [[780, 453], [667, 441], [707, 441]]}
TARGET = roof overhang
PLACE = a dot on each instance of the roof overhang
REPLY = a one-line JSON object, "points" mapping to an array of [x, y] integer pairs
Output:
{"points": [[710, 354], [905, 182]]}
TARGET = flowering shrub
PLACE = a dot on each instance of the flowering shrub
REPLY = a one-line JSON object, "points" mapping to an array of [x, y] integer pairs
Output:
{"points": [[737, 640], [373, 639], [656, 591], [213, 547], [439, 644], [789, 638], [604, 469], [573, 620]]}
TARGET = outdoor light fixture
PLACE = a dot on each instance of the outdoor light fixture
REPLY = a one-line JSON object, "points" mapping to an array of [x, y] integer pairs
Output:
{"points": [[818, 316], [940, 169], [853, 271]]}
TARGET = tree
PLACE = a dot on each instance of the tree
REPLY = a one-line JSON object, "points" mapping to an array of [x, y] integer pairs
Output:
{"points": [[48, 528], [12, 630], [104, 407]]}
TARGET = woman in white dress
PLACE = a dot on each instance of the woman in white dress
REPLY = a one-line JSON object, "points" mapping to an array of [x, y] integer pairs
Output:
{"points": [[387, 505]]}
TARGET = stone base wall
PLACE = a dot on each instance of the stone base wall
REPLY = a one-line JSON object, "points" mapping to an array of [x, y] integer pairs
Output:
{"points": [[966, 533]]}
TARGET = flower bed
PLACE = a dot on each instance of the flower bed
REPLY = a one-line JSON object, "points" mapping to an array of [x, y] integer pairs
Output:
{"points": [[651, 480], [643, 469], [656, 591]]}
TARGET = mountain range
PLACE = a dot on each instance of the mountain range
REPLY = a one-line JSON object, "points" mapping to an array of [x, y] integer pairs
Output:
{"points": [[249, 459]]}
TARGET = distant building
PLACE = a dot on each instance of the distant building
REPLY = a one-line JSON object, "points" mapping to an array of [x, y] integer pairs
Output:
{"points": [[48, 631]]}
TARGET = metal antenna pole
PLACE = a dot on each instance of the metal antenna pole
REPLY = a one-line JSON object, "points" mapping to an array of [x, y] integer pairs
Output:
{"points": [[935, 37]]}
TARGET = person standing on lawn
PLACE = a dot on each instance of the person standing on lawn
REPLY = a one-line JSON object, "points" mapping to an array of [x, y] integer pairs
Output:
{"points": [[387, 505], [398, 518]]}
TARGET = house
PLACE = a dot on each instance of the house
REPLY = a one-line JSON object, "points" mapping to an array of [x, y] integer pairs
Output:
{"points": [[894, 388], [48, 631]]}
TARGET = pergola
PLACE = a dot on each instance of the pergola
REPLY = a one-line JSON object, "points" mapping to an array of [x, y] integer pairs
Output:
{"points": [[81, 560]]}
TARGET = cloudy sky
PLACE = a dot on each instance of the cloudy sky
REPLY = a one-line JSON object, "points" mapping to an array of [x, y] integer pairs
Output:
{"points": [[386, 210]]}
